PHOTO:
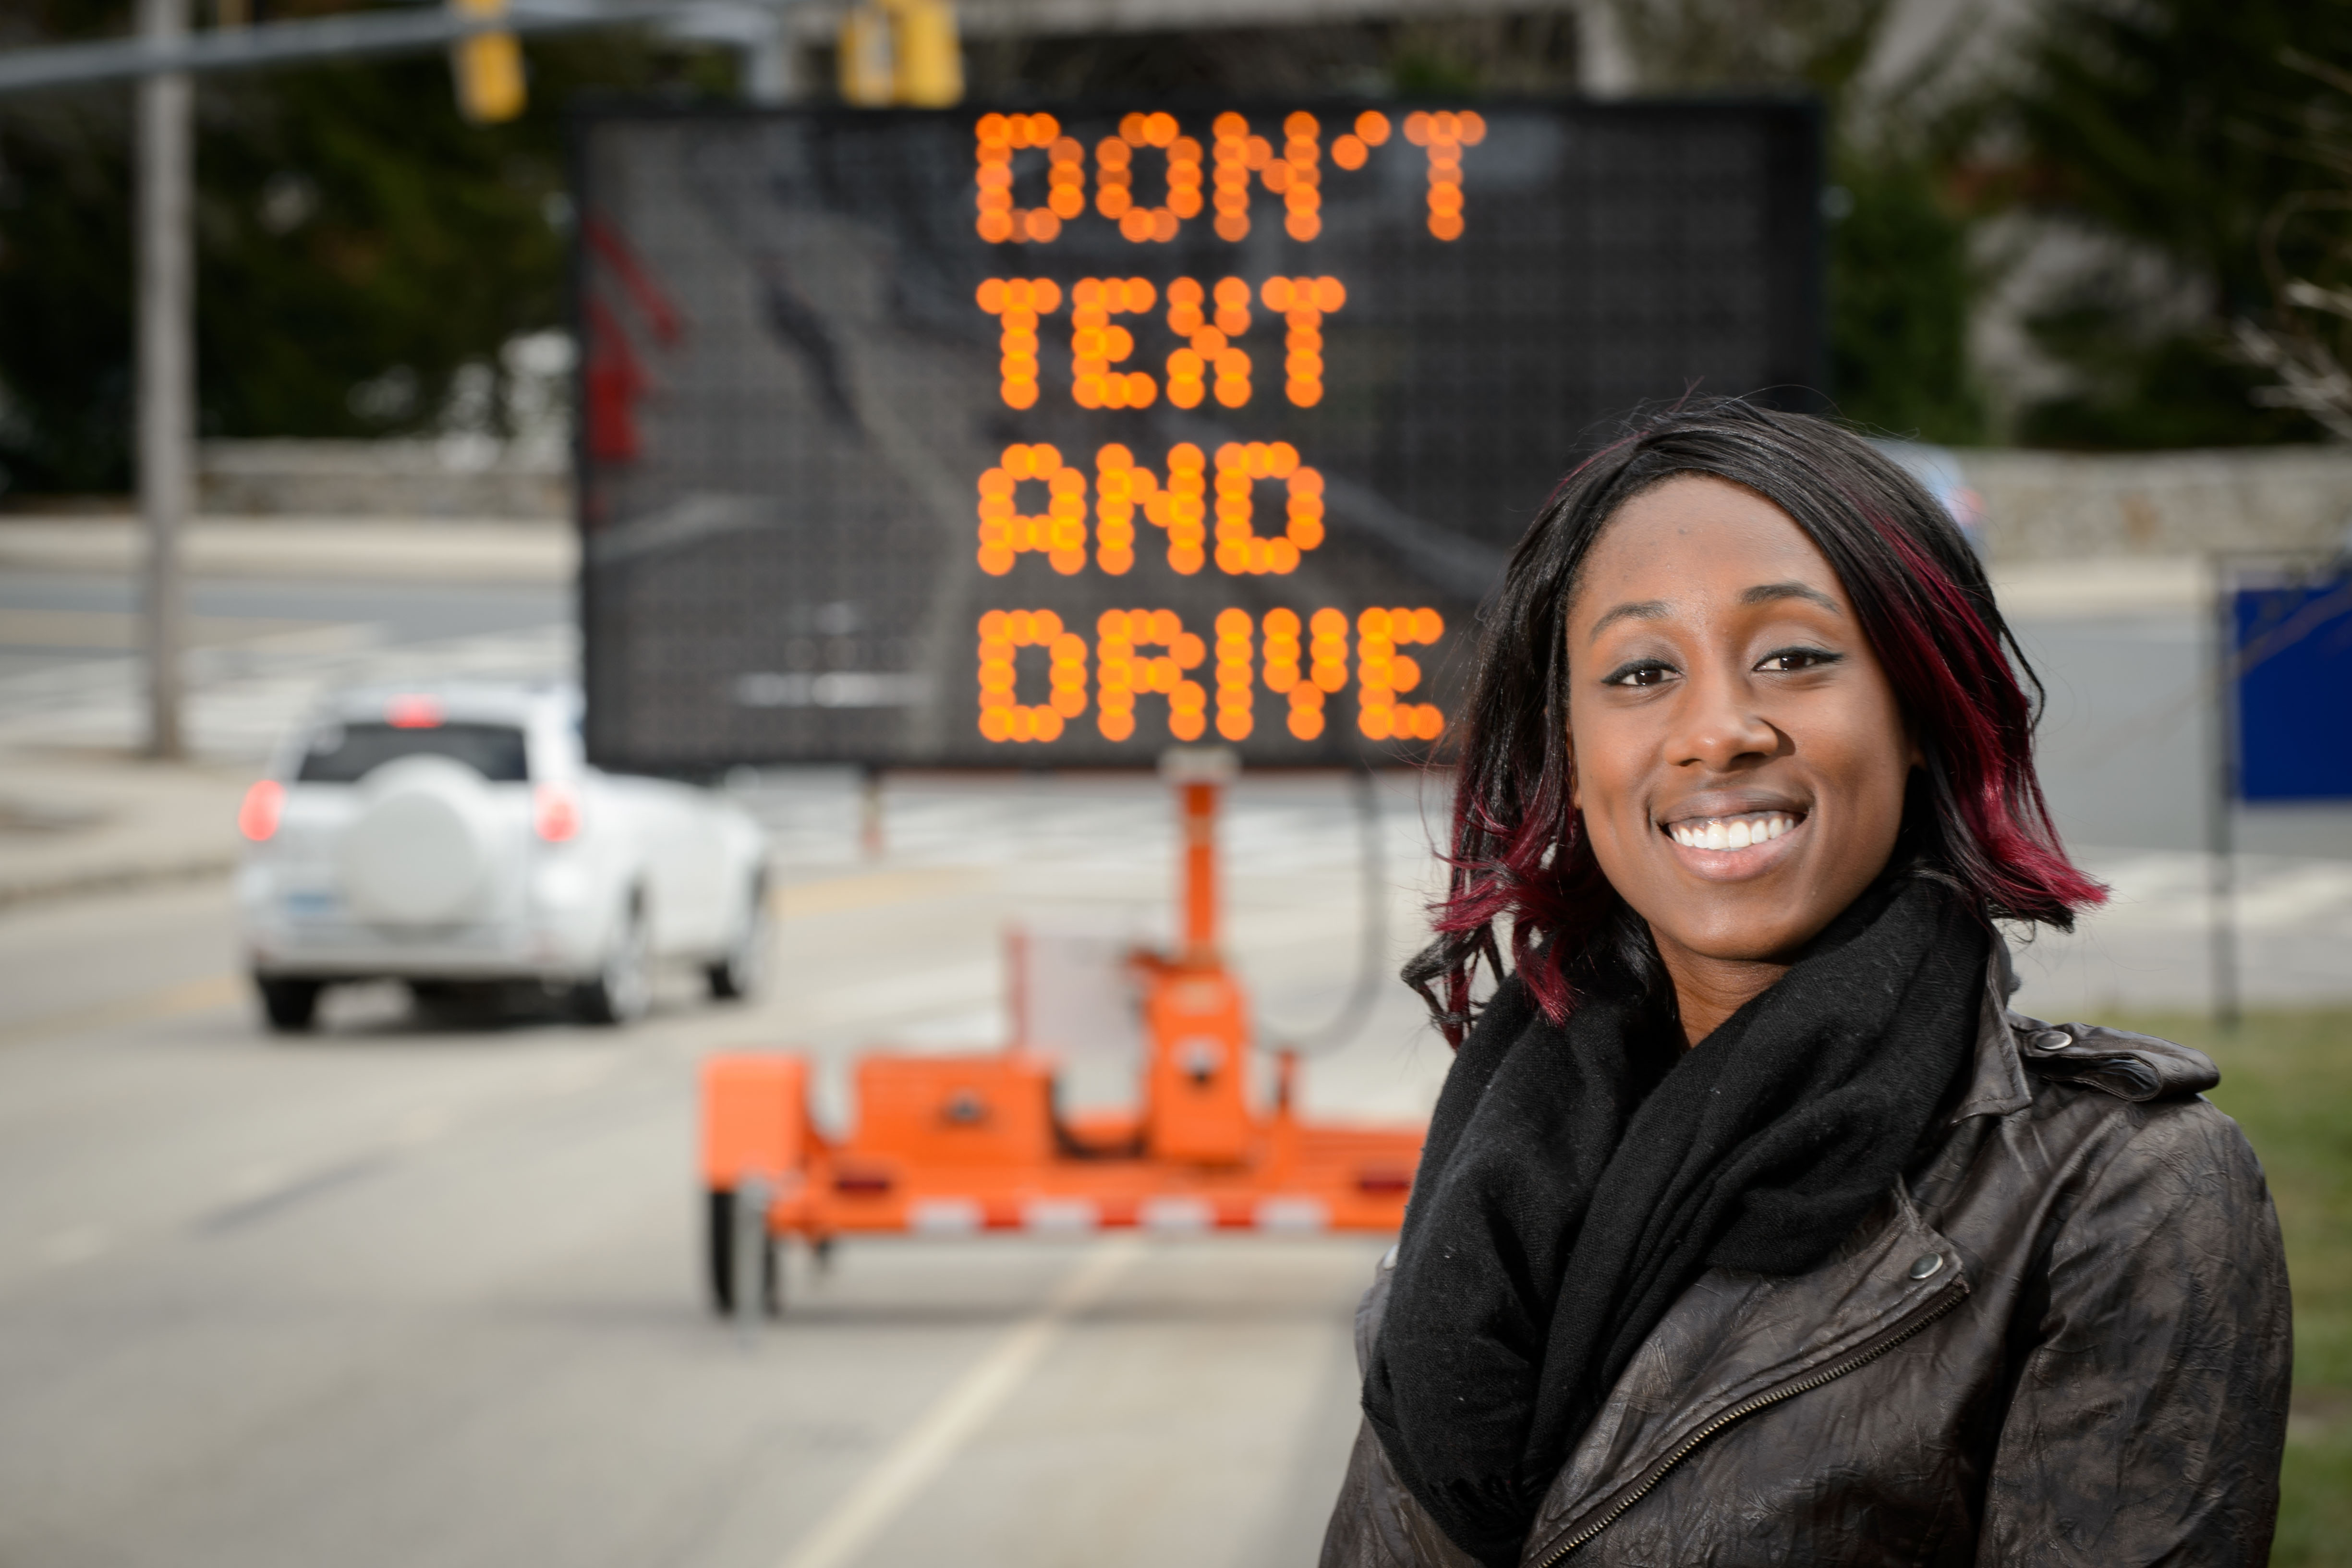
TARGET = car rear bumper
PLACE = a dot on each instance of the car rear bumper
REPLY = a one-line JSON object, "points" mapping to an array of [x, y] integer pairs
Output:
{"points": [[342, 952]]}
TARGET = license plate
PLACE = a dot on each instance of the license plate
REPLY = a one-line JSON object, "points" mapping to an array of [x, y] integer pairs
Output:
{"points": [[309, 906]]}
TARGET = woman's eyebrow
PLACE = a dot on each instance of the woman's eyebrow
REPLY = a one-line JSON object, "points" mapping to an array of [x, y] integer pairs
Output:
{"points": [[1765, 592], [1636, 610]]}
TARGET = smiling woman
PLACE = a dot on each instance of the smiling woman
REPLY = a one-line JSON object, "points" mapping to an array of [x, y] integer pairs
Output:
{"points": [[1751, 1225], [1740, 758]]}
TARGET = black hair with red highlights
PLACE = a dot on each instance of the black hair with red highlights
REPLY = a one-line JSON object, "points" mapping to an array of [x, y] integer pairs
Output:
{"points": [[1974, 818]]}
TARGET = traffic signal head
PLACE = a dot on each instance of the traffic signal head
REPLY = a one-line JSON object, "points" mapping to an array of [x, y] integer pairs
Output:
{"points": [[487, 68]]}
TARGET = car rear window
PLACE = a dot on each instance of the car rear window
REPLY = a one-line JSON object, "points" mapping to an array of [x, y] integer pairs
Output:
{"points": [[348, 753]]}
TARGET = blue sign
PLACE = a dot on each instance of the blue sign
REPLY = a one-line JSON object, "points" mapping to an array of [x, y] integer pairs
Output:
{"points": [[2293, 647]]}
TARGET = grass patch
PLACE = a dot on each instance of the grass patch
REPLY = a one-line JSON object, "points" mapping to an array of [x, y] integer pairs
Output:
{"points": [[2288, 1079]]}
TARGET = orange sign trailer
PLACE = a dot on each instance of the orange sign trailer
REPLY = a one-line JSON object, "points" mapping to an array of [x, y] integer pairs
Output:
{"points": [[957, 1145]]}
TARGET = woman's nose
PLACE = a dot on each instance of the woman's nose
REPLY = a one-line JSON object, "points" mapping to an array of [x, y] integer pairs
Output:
{"points": [[1720, 728]]}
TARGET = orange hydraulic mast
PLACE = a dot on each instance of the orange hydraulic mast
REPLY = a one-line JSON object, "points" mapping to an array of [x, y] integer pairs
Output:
{"points": [[1199, 821], [1196, 1099]]}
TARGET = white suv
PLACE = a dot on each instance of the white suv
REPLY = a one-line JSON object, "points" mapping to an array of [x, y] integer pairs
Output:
{"points": [[456, 834]]}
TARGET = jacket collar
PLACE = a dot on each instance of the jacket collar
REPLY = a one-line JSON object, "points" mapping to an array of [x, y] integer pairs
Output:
{"points": [[2127, 1066], [1997, 1080]]}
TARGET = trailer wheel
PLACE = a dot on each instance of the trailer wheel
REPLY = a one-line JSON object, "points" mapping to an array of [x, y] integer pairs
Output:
{"points": [[723, 1232], [719, 1251]]}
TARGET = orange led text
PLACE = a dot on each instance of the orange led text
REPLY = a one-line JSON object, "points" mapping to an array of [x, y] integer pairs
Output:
{"points": [[1059, 532], [1303, 302], [1114, 173], [1002, 715], [1444, 133], [1381, 672], [1125, 672], [1017, 303]]}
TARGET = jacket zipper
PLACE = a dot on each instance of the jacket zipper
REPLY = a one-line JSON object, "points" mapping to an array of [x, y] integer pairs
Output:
{"points": [[1944, 1302]]}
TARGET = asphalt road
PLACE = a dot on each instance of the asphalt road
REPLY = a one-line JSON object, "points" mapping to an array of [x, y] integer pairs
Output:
{"points": [[408, 1292]]}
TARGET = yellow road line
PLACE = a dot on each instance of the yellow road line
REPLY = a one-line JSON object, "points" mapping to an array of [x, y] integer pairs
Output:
{"points": [[194, 997], [868, 889]]}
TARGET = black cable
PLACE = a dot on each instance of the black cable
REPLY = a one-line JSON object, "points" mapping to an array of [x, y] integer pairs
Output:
{"points": [[1372, 963]]}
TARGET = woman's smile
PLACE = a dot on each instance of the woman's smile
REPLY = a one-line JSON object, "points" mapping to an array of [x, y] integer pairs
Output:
{"points": [[1725, 847]]}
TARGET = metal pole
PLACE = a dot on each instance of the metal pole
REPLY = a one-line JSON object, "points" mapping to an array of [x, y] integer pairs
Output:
{"points": [[2221, 833], [873, 841], [166, 364], [754, 1250], [772, 65]]}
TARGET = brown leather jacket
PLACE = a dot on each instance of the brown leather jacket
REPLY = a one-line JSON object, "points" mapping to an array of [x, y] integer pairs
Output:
{"points": [[2064, 1339]]}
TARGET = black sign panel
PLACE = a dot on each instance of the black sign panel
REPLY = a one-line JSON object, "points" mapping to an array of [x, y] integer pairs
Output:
{"points": [[1001, 438]]}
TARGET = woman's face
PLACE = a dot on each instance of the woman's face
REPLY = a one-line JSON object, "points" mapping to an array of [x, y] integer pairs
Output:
{"points": [[1740, 755]]}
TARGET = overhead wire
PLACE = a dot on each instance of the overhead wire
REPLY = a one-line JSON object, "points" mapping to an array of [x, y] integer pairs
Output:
{"points": [[1355, 1008]]}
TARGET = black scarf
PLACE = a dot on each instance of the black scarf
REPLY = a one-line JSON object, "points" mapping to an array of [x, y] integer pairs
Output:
{"points": [[1577, 1179]]}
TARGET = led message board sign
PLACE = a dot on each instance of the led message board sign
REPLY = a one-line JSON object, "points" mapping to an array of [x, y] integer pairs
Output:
{"points": [[1011, 437]]}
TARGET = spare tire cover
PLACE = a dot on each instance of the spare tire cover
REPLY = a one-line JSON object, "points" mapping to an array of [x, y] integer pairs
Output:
{"points": [[418, 853]]}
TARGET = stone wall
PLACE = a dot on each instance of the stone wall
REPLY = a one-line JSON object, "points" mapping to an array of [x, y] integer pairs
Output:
{"points": [[2038, 506], [2056, 506], [457, 478]]}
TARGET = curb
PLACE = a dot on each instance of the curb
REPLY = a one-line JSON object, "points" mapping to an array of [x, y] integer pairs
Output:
{"points": [[14, 894]]}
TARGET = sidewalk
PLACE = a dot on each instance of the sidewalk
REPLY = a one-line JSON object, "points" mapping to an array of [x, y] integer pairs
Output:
{"points": [[455, 549], [508, 550], [73, 823]]}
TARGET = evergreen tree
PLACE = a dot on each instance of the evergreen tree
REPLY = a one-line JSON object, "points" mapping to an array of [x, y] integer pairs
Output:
{"points": [[1901, 288], [1901, 283], [357, 244], [2162, 124]]}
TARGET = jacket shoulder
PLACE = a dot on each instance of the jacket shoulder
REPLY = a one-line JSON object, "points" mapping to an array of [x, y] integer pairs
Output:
{"points": [[2136, 1067], [2117, 1112], [2076, 1100]]}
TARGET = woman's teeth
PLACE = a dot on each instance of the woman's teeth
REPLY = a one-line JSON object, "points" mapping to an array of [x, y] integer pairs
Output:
{"points": [[1730, 831]]}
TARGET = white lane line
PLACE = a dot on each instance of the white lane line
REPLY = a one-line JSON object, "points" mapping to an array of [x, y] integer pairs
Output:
{"points": [[253, 1180], [927, 1447], [79, 1245]]}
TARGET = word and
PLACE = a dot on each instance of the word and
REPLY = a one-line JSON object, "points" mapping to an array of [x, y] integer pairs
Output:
{"points": [[1139, 654], [1181, 503]]}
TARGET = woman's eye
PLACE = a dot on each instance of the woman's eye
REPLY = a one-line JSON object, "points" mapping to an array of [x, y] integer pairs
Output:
{"points": [[1649, 673], [1791, 659]]}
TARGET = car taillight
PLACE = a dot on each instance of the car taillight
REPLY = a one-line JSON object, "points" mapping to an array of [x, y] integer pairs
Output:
{"points": [[413, 712], [555, 814], [263, 804]]}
